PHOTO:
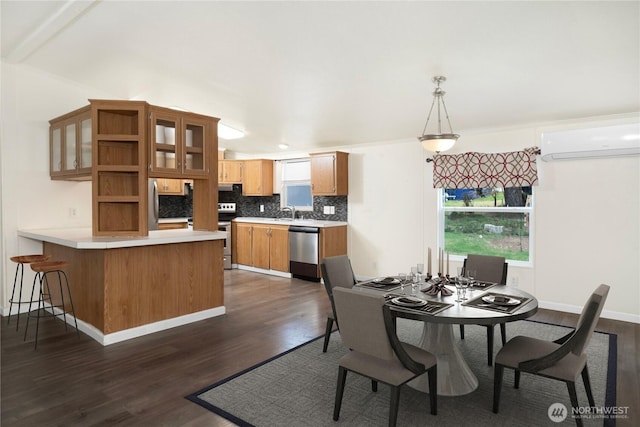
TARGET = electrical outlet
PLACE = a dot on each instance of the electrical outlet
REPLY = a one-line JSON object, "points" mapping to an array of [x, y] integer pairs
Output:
{"points": [[261, 208], [327, 210], [513, 281], [73, 212], [333, 210]]}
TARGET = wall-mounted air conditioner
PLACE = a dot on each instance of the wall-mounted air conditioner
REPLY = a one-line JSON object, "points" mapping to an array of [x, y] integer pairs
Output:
{"points": [[595, 142]]}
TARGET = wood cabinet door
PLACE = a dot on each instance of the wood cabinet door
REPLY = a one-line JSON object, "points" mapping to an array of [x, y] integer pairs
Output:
{"points": [[230, 171], [252, 179], [194, 146], [261, 246], [242, 243], [173, 187], [257, 179], [323, 178], [279, 249], [165, 139]]}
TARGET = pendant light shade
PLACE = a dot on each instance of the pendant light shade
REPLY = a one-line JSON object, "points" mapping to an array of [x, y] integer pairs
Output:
{"points": [[438, 142]]}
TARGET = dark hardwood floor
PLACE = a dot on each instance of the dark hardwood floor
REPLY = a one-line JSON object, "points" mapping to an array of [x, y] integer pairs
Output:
{"points": [[142, 382]]}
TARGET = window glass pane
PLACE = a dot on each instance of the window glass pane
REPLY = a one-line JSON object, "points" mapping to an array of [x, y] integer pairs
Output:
{"points": [[488, 233], [298, 195], [487, 197], [487, 221]]}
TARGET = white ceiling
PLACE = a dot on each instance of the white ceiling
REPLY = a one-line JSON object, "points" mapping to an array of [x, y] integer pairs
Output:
{"points": [[321, 74]]}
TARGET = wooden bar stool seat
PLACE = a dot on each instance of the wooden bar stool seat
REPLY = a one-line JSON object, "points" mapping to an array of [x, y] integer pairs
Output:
{"points": [[21, 260], [55, 308]]}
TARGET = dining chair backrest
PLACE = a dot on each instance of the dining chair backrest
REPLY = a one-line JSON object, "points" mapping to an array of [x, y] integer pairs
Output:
{"points": [[362, 326], [337, 272], [488, 268], [589, 318]]}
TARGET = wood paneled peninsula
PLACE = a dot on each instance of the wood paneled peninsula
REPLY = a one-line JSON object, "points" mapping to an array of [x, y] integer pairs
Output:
{"points": [[125, 287]]}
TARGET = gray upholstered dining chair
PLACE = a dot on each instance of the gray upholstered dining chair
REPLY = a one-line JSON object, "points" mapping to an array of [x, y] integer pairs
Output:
{"points": [[368, 329], [492, 269], [336, 272], [563, 359]]}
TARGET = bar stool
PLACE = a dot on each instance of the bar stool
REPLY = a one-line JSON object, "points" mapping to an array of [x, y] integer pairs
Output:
{"points": [[44, 269], [21, 260]]}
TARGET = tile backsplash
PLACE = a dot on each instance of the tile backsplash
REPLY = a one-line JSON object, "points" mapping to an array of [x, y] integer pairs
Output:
{"points": [[182, 206], [250, 206]]}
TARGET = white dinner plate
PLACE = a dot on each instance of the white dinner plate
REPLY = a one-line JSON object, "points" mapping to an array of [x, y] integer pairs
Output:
{"points": [[491, 299], [387, 281], [409, 301]]}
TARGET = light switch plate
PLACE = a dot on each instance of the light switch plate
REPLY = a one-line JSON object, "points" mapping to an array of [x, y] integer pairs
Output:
{"points": [[327, 210]]}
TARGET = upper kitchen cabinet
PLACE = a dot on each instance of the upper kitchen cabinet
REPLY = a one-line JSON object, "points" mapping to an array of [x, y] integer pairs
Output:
{"points": [[258, 178], [179, 143], [70, 146], [119, 168], [330, 174], [230, 171]]}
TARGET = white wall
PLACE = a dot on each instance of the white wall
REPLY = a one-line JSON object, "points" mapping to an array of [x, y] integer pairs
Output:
{"points": [[586, 226], [587, 216], [29, 99]]}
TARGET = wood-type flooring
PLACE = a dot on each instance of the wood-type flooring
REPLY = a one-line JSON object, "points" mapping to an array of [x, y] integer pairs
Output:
{"points": [[142, 382]]}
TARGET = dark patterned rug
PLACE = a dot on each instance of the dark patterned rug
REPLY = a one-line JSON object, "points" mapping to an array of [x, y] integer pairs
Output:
{"points": [[297, 388]]}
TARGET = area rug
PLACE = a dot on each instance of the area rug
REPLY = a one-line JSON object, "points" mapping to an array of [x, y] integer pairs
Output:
{"points": [[297, 388]]}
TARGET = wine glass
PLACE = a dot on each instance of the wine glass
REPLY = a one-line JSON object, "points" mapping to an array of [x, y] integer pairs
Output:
{"points": [[468, 280]]}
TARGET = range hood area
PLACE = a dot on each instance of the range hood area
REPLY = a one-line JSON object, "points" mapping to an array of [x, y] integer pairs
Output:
{"points": [[225, 187]]}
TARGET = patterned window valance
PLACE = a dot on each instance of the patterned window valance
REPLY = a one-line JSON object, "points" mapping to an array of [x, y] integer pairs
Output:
{"points": [[486, 170]]}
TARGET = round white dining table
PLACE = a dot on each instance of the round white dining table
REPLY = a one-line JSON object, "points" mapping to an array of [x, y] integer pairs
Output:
{"points": [[455, 378]]}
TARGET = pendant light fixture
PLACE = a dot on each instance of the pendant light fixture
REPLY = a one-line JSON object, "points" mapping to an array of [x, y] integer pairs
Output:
{"points": [[438, 142]]}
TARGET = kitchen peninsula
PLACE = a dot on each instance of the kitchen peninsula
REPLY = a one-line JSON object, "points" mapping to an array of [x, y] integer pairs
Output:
{"points": [[124, 287]]}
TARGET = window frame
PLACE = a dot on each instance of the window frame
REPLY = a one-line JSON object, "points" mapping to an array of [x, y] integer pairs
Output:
{"points": [[303, 179], [442, 209], [284, 194]]}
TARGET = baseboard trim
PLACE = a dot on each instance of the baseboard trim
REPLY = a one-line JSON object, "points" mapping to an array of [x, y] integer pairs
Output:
{"points": [[139, 331], [568, 308], [264, 271]]}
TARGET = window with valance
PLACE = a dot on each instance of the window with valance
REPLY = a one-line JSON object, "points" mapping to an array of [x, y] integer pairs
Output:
{"points": [[486, 203]]}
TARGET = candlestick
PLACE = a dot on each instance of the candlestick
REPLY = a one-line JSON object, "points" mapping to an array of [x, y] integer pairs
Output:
{"points": [[447, 263], [429, 261]]}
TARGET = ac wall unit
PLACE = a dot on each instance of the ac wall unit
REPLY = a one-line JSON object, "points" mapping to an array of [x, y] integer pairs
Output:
{"points": [[598, 142]]}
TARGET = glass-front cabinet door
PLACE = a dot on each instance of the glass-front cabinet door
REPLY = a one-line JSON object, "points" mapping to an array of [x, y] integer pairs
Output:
{"points": [[70, 146], [165, 138], [69, 164], [194, 153], [83, 149], [56, 150]]}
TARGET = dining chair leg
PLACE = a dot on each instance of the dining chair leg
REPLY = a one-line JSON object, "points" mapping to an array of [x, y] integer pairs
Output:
{"points": [[498, 372], [490, 345], [587, 386], [571, 386], [393, 405], [516, 378], [433, 389], [327, 334], [374, 386], [342, 378], [503, 333], [461, 332]]}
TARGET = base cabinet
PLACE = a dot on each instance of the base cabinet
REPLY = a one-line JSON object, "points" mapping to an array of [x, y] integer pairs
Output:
{"points": [[261, 246], [266, 246]]}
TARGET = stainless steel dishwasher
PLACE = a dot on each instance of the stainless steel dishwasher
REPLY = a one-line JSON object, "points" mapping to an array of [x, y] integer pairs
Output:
{"points": [[304, 252]]}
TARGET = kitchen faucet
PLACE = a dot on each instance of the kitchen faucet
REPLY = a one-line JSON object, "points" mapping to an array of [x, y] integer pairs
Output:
{"points": [[290, 209]]}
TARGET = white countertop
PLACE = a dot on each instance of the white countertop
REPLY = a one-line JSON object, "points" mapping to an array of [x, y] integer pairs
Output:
{"points": [[300, 222], [82, 238]]}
